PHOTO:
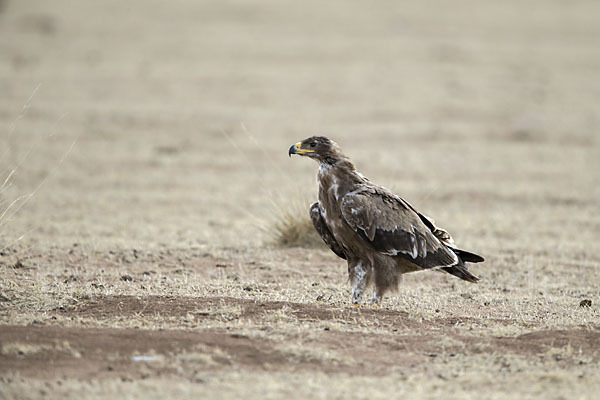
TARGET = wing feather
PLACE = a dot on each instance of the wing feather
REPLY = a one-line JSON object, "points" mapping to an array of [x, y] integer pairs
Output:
{"points": [[317, 215], [391, 226]]}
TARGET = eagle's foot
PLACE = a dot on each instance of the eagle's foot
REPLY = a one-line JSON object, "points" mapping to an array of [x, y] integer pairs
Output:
{"points": [[357, 298], [375, 304], [376, 299]]}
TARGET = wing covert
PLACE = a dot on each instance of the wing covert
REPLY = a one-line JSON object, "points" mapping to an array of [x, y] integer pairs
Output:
{"points": [[391, 226]]}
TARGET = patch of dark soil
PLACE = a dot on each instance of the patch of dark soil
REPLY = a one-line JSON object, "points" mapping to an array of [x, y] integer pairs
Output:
{"points": [[585, 342], [105, 352], [106, 307], [101, 308]]}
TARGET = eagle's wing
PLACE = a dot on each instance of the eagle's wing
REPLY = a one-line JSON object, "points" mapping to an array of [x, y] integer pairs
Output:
{"points": [[318, 220], [392, 227]]}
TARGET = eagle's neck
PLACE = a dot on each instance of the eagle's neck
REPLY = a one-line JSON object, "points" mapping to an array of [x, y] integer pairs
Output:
{"points": [[338, 178], [341, 167]]}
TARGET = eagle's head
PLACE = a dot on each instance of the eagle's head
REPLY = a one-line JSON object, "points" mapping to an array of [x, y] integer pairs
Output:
{"points": [[319, 148]]}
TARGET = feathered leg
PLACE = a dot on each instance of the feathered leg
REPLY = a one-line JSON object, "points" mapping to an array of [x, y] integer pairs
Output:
{"points": [[359, 276], [386, 277]]}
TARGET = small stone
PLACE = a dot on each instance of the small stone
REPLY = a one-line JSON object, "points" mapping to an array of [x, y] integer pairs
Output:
{"points": [[126, 278], [585, 303]]}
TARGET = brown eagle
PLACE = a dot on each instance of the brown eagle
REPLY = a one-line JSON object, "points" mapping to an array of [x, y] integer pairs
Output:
{"points": [[380, 234]]}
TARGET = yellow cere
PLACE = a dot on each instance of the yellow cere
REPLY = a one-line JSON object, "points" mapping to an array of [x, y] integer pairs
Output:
{"points": [[300, 150]]}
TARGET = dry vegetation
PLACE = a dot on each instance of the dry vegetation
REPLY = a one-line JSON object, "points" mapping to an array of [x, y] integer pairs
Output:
{"points": [[153, 245], [292, 227]]}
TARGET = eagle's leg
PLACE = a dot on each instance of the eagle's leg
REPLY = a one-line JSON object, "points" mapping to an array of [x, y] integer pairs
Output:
{"points": [[386, 277], [376, 297], [359, 276]]}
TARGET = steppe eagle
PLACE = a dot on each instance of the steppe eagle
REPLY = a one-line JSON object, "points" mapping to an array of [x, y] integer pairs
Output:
{"points": [[379, 234]]}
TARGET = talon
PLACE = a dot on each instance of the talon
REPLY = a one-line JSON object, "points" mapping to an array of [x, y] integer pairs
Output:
{"points": [[356, 304]]}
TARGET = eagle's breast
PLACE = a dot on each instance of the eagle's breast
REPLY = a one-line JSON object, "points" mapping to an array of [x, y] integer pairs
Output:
{"points": [[332, 189]]}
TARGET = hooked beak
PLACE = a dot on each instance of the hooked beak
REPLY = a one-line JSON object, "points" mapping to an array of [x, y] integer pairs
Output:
{"points": [[297, 149], [294, 149]]}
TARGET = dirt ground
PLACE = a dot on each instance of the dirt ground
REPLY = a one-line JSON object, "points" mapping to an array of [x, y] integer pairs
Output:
{"points": [[143, 152]]}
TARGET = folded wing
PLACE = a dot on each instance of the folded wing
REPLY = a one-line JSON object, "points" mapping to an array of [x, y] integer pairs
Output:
{"points": [[392, 227], [318, 220]]}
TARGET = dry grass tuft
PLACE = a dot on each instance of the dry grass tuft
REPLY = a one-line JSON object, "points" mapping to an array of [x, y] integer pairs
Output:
{"points": [[294, 228]]}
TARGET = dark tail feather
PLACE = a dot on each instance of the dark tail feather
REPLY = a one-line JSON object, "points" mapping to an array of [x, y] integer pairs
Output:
{"points": [[461, 272], [469, 257]]}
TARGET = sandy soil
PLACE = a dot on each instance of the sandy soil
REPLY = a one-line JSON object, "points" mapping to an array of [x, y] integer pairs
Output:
{"points": [[143, 151]]}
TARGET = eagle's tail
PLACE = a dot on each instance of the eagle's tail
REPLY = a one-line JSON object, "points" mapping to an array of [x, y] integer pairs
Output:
{"points": [[466, 256], [460, 270]]}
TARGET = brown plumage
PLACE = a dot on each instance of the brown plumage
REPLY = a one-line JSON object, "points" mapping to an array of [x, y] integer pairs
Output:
{"points": [[379, 234]]}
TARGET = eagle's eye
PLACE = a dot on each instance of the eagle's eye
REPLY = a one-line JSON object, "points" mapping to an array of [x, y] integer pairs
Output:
{"points": [[313, 144]]}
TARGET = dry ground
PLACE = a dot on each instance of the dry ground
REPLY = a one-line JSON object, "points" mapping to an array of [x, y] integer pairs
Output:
{"points": [[144, 147]]}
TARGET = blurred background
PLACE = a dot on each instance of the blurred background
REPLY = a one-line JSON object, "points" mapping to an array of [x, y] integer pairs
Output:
{"points": [[153, 123]]}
